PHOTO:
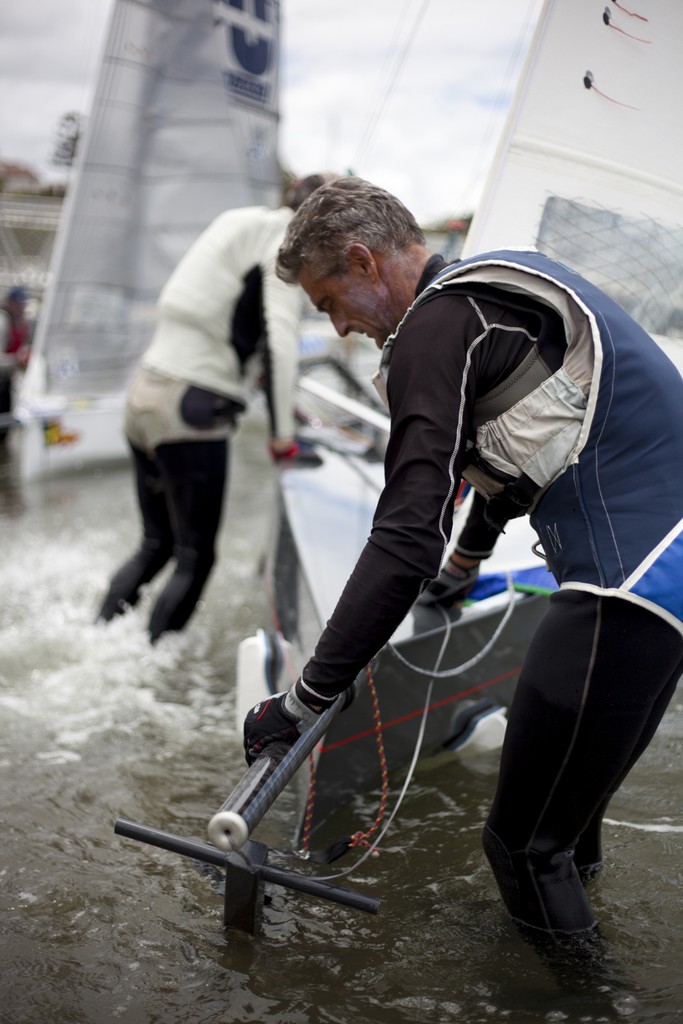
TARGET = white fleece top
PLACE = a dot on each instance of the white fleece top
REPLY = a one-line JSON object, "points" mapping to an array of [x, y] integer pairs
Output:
{"points": [[196, 307]]}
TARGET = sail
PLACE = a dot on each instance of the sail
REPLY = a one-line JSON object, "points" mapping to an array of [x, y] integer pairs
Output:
{"points": [[588, 168], [183, 125]]}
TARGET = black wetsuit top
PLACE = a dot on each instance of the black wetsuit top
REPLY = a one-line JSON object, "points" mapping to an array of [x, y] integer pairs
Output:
{"points": [[406, 545]]}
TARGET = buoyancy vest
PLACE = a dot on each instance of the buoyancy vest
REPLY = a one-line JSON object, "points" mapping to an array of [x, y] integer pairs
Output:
{"points": [[602, 439]]}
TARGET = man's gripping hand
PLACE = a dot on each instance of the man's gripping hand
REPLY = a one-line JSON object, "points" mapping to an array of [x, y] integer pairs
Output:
{"points": [[279, 719], [294, 452], [282, 718]]}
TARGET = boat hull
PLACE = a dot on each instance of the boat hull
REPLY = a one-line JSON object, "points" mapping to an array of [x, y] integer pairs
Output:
{"points": [[408, 702], [86, 435]]}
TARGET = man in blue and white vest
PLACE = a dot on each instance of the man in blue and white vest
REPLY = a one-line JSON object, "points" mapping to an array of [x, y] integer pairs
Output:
{"points": [[511, 371]]}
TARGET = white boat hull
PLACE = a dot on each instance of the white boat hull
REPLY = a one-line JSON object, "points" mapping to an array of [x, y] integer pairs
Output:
{"points": [[85, 436]]}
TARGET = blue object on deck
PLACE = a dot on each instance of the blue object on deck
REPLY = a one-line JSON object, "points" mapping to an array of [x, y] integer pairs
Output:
{"points": [[536, 579]]}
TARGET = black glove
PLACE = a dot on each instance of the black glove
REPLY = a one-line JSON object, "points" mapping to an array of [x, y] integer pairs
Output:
{"points": [[279, 719], [453, 584], [282, 718]]}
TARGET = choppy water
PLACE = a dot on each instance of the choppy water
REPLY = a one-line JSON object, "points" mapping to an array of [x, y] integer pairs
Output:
{"points": [[96, 724]]}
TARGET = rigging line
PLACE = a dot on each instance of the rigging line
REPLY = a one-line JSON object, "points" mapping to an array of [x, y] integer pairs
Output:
{"points": [[448, 673], [384, 70], [411, 768], [631, 14], [513, 62], [398, 65], [607, 19], [589, 83], [434, 675], [383, 77]]}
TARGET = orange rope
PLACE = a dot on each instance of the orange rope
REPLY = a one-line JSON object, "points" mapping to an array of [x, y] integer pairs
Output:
{"points": [[308, 818], [361, 838], [358, 838]]}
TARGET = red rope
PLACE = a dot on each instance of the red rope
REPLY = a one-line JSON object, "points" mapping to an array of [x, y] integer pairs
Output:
{"points": [[590, 84], [638, 39], [362, 838], [607, 18], [310, 802], [358, 838], [631, 14], [354, 738]]}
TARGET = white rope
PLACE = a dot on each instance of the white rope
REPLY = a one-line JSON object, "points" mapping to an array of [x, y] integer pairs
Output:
{"points": [[448, 673], [434, 674], [411, 768]]}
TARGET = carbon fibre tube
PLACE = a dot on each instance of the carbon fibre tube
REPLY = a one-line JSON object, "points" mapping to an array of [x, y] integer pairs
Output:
{"points": [[262, 783]]}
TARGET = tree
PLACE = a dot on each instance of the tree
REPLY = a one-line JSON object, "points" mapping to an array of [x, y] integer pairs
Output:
{"points": [[68, 135]]}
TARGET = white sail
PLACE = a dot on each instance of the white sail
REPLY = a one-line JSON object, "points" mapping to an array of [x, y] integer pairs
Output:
{"points": [[183, 125], [589, 165]]}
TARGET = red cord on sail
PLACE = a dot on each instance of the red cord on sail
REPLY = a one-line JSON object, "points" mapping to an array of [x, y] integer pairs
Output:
{"points": [[631, 14], [589, 83], [607, 18]]}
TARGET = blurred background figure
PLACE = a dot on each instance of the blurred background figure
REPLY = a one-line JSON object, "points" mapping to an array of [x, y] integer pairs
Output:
{"points": [[15, 347], [224, 320]]}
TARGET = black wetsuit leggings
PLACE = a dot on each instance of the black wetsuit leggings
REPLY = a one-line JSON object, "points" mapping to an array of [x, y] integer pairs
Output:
{"points": [[595, 683], [180, 492]]}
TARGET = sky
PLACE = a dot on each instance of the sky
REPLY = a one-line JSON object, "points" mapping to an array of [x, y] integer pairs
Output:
{"points": [[410, 94]]}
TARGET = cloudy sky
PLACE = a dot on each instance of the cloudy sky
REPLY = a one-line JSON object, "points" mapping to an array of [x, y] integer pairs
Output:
{"points": [[408, 93]]}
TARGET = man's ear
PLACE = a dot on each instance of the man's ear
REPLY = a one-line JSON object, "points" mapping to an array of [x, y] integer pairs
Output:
{"points": [[361, 260]]}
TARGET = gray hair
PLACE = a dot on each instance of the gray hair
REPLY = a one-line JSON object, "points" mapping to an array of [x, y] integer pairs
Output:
{"points": [[345, 211], [298, 191]]}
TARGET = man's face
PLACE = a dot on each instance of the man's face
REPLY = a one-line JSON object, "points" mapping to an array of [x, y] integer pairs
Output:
{"points": [[357, 300]]}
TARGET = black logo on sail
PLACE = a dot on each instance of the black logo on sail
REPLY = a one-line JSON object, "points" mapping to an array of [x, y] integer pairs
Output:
{"points": [[250, 33]]}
